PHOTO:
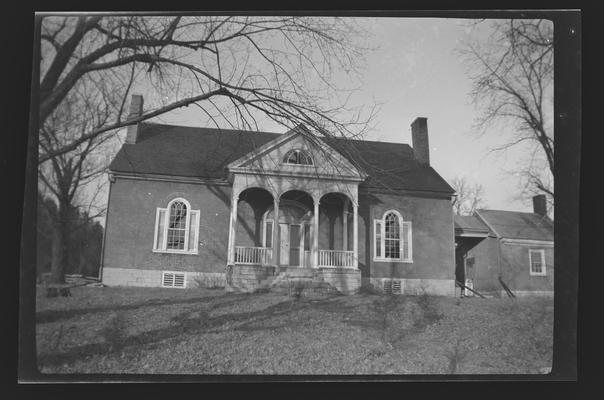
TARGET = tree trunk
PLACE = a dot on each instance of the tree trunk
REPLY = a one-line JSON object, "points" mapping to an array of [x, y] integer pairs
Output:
{"points": [[59, 247], [82, 258]]}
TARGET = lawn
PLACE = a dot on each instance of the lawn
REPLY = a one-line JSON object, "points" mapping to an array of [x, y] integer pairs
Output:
{"points": [[200, 331]]}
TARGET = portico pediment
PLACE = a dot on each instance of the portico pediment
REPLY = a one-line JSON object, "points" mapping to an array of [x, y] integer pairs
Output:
{"points": [[298, 154]]}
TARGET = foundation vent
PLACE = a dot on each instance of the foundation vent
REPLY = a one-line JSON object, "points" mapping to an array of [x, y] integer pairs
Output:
{"points": [[392, 286], [173, 279]]}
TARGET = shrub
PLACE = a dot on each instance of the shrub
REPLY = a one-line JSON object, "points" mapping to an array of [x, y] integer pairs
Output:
{"points": [[296, 289], [428, 311], [370, 289]]}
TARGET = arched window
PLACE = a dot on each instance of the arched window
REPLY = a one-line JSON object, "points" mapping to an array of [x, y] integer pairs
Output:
{"points": [[176, 228], [297, 157], [392, 238]]}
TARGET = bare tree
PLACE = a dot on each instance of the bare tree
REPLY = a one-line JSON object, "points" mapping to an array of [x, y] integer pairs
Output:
{"points": [[512, 74], [70, 178], [469, 197], [235, 69]]}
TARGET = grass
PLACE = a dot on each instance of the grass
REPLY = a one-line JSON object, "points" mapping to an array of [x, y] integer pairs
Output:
{"points": [[200, 331]]}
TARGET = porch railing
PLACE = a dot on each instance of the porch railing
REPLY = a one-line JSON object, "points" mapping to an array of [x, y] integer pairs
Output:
{"points": [[336, 258], [253, 255]]}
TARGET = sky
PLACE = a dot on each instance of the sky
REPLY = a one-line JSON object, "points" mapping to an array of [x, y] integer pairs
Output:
{"points": [[415, 72]]}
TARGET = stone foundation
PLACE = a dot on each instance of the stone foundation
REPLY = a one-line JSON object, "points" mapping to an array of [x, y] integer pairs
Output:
{"points": [[152, 278], [345, 280], [437, 287], [247, 278], [530, 293]]}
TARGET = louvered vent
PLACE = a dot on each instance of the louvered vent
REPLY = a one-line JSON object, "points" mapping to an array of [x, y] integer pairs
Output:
{"points": [[392, 286], [179, 280], [173, 279]]}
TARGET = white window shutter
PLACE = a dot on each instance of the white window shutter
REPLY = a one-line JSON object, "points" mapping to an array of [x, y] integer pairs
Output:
{"points": [[160, 229], [377, 238], [193, 231], [407, 241]]}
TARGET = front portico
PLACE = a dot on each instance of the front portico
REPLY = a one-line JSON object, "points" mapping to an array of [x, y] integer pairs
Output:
{"points": [[295, 215], [294, 240]]}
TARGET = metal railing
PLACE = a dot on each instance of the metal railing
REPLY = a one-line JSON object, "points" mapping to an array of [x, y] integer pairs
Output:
{"points": [[253, 255]]}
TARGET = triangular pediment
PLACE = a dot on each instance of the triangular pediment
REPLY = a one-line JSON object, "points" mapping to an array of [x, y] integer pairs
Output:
{"points": [[327, 162]]}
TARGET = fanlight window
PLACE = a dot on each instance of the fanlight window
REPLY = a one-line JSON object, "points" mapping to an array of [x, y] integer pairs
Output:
{"points": [[297, 157], [176, 228]]}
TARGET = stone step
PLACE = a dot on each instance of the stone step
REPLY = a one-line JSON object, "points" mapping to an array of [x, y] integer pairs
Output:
{"points": [[296, 271]]}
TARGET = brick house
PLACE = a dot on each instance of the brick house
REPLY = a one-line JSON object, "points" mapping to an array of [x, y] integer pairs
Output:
{"points": [[516, 247], [187, 202]]}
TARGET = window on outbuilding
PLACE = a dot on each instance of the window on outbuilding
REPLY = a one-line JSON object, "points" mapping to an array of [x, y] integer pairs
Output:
{"points": [[392, 238], [297, 156], [537, 261], [176, 228]]}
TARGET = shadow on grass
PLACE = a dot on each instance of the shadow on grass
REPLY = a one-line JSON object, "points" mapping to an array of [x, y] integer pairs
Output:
{"points": [[47, 316], [368, 312], [188, 322]]}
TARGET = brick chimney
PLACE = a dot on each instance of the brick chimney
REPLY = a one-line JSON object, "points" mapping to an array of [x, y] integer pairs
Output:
{"points": [[539, 204], [136, 110], [419, 136]]}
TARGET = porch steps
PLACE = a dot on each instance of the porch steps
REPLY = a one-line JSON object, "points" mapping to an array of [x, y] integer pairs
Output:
{"points": [[290, 280], [306, 282]]}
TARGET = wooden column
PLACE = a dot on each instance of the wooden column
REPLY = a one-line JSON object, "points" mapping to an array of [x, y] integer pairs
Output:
{"points": [[315, 245], [275, 235], [232, 230], [355, 227], [345, 225]]}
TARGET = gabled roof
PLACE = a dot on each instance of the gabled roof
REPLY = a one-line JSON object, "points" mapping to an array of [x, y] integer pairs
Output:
{"points": [[205, 152], [327, 163], [518, 225]]}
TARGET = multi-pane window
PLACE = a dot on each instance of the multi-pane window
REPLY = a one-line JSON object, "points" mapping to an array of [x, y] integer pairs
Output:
{"points": [[176, 228], [297, 157], [392, 238], [537, 261]]}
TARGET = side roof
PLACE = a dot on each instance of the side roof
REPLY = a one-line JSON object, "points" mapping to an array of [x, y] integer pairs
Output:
{"points": [[469, 224], [518, 225], [205, 152]]}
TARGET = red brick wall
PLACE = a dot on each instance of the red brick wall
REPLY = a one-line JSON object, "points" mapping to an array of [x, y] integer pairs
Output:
{"points": [[516, 269], [486, 265], [131, 222], [432, 236], [512, 262]]}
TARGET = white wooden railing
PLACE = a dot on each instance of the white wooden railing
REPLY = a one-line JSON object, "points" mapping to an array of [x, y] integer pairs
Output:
{"points": [[336, 258], [253, 255]]}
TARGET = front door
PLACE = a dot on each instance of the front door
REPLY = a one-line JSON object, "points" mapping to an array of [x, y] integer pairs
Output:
{"points": [[291, 244], [294, 245]]}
